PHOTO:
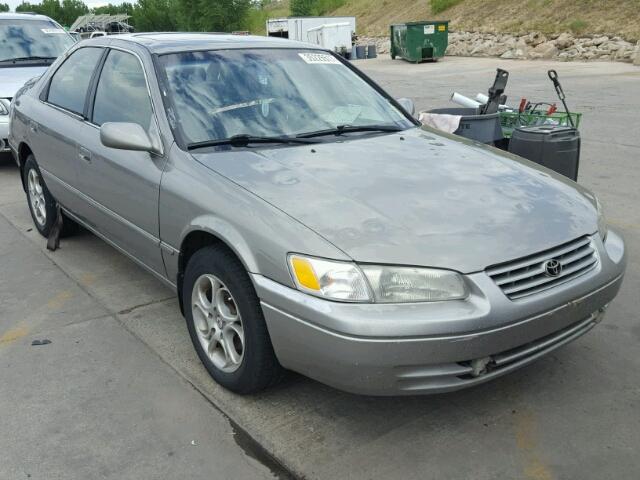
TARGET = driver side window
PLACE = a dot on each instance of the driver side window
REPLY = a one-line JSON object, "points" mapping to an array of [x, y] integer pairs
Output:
{"points": [[122, 94]]}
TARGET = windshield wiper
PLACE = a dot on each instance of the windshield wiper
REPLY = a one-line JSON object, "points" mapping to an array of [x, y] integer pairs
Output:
{"points": [[243, 140], [340, 129], [25, 59]]}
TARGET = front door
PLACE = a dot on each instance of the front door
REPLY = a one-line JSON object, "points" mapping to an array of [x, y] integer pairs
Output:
{"points": [[123, 186]]}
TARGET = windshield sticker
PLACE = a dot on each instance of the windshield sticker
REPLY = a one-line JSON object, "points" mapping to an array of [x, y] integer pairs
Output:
{"points": [[319, 58], [52, 31], [237, 106]]}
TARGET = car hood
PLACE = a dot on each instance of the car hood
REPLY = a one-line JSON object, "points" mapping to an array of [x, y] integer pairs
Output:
{"points": [[12, 78], [416, 198]]}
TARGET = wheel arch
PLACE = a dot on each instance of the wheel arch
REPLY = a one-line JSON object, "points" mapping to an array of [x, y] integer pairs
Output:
{"points": [[23, 153], [204, 234]]}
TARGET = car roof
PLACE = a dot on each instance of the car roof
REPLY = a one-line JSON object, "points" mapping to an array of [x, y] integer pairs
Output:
{"points": [[161, 43], [23, 16]]}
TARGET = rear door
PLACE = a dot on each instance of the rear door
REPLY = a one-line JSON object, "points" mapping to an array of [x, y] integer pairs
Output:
{"points": [[123, 185], [57, 124]]}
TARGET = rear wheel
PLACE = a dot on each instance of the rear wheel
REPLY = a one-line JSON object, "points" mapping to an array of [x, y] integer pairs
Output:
{"points": [[226, 323], [42, 205]]}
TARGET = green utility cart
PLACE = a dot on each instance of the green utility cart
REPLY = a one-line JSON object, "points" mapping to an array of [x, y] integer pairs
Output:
{"points": [[419, 41]]}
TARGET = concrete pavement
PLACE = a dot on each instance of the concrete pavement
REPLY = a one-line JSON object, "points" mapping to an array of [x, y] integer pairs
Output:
{"points": [[573, 414], [96, 402]]}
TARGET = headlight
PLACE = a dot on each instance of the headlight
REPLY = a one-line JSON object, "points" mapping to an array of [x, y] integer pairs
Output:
{"points": [[603, 229], [330, 279], [344, 281], [408, 284], [4, 106]]}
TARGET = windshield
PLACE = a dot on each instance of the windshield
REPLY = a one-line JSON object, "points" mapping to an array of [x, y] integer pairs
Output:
{"points": [[269, 92], [23, 39]]}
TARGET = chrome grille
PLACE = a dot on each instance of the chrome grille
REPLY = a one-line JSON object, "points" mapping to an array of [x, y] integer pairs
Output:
{"points": [[528, 275]]}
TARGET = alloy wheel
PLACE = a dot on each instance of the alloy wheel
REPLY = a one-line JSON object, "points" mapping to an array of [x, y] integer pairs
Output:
{"points": [[36, 197], [218, 323]]}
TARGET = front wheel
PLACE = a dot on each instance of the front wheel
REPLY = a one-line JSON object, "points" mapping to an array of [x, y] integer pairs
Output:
{"points": [[226, 323]]}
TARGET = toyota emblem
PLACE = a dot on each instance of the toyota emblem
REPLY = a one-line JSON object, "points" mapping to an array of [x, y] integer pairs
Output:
{"points": [[552, 268]]}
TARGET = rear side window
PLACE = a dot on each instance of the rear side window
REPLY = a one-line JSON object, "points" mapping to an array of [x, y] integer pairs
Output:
{"points": [[69, 85], [122, 94]]}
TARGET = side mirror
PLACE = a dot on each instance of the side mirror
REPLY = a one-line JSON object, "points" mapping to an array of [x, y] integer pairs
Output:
{"points": [[408, 105], [126, 136]]}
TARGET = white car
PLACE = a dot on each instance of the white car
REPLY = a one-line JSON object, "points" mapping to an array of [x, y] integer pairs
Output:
{"points": [[28, 45]]}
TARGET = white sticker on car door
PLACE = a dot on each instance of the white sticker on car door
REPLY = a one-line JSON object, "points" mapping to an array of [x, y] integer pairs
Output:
{"points": [[52, 31]]}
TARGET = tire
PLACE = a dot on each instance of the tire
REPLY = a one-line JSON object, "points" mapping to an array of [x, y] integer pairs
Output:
{"points": [[42, 205], [217, 290]]}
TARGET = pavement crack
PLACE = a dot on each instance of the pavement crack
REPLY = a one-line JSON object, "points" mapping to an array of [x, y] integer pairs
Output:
{"points": [[152, 302], [90, 319]]}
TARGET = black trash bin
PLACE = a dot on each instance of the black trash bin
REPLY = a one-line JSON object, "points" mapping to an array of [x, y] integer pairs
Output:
{"points": [[555, 147], [481, 128]]}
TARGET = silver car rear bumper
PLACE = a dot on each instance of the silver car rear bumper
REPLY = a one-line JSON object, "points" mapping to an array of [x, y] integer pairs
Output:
{"points": [[435, 347]]}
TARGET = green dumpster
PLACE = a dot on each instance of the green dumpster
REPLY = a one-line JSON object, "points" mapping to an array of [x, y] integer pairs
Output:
{"points": [[419, 41]]}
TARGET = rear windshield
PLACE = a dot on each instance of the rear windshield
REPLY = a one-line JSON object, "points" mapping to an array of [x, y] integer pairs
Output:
{"points": [[270, 92], [22, 40]]}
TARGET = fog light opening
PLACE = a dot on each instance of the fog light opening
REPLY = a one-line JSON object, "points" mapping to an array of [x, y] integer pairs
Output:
{"points": [[480, 366]]}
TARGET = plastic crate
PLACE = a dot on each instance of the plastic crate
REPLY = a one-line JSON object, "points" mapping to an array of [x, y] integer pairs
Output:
{"points": [[512, 120]]}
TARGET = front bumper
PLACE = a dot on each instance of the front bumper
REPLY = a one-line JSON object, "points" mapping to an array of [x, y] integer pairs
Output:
{"points": [[436, 347]]}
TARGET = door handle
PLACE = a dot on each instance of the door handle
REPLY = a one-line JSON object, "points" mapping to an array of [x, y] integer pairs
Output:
{"points": [[84, 154], [33, 126]]}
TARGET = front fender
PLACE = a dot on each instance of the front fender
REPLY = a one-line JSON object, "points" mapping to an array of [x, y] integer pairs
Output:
{"points": [[223, 231], [195, 198]]}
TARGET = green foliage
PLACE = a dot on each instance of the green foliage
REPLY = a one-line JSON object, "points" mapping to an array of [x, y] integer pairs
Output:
{"points": [[4, 7], [161, 15], [256, 21], [578, 26], [326, 6], [70, 10], [111, 9], [50, 8], [155, 15], [64, 13], [438, 6], [223, 15], [302, 8]]}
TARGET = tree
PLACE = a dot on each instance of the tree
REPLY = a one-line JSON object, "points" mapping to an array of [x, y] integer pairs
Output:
{"points": [[71, 10], [188, 15], [301, 8], [4, 7], [155, 15], [223, 15], [28, 7], [125, 8]]}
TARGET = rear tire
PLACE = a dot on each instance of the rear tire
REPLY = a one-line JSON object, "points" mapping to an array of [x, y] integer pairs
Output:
{"points": [[226, 323], [42, 205]]}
